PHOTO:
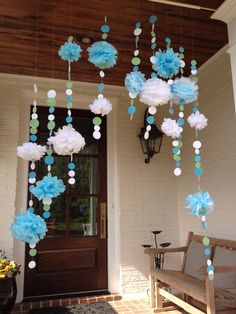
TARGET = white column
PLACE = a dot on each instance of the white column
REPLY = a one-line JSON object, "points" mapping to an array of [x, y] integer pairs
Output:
{"points": [[227, 13]]}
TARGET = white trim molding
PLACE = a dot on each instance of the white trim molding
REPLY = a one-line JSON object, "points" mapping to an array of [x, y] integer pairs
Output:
{"points": [[226, 12]]}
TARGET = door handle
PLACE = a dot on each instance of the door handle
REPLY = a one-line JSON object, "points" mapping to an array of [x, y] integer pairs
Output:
{"points": [[103, 220]]}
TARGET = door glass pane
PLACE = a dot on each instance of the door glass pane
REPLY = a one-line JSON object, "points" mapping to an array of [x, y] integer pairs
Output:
{"points": [[83, 216], [86, 175]]}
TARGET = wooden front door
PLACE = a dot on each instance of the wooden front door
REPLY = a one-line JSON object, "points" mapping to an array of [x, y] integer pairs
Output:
{"points": [[73, 256]]}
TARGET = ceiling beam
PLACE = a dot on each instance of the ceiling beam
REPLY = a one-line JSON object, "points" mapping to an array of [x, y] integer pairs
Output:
{"points": [[183, 5]]}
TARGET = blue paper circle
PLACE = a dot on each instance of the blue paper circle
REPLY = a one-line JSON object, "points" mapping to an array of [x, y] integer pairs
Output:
{"points": [[100, 87], [46, 215], [138, 25], [152, 19], [30, 210], [198, 172], [181, 49], [68, 98], [207, 251], [198, 158], [177, 164], [105, 28], [150, 119], [32, 174], [51, 109], [153, 46], [49, 160], [69, 119], [131, 109], [168, 40], [171, 111], [180, 121], [175, 150], [182, 102], [153, 74], [33, 138], [135, 68], [71, 166], [31, 187]]}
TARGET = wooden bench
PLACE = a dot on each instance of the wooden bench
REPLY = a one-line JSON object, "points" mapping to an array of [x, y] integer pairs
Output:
{"points": [[198, 294]]}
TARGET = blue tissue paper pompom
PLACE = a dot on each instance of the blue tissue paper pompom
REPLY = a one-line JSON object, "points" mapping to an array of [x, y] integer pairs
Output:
{"points": [[70, 51], [29, 228], [48, 187], [167, 63], [199, 204], [102, 54], [134, 82], [184, 90]]}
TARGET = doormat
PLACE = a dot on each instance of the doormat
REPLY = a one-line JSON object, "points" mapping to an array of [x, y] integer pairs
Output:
{"points": [[88, 308]]}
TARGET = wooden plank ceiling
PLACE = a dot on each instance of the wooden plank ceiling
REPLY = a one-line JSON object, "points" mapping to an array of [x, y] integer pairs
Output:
{"points": [[194, 30]]}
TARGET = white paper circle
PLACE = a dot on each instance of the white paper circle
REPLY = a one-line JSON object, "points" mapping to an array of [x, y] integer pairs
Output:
{"points": [[34, 116], [51, 117], [32, 245], [209, 262], [181, 114], [146, 135], [35, 88], [97, 128], [49, 168], [96, 135], [52, 93], [71, 181], [211, 272], [32, 264], [100, 95], [31, 203], [153, 40], [182, 63], [137, 31], [132, 95], [197, 144], [136, 53], [177, 172], [152, 109], [71, 173], [153, 59], [148, 127], [69, 92], [32, 180], [170, 81], [194, 72], [47, 201], [175, 143], [32, 166], [102, 74], [69, 112], [197, 151], [203, 218], [35, 102]]}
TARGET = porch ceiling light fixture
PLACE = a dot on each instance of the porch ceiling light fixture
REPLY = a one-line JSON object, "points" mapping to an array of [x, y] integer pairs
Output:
{"points": [[152, 144], [183, 5]]}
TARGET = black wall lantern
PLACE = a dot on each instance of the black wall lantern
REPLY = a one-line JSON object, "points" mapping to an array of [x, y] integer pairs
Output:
{"points": [[152, 145]]}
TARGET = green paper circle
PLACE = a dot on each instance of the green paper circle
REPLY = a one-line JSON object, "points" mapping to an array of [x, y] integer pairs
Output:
{"points": [[97, 121], [69, 105], [206, 241], [197, 164], [49, 151], [104, 36], [69, 84], [180, 144], [46, 207], [51, 125], [193, 62], [51, 101], [181, 107], [136, 61], [34, 123], [102, 66], [211, 276], [34, 109], [177, 158], [33, 131], [32, 252]]}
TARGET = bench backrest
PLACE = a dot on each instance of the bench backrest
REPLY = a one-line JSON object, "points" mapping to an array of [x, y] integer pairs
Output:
{"points": [[223, 253]]}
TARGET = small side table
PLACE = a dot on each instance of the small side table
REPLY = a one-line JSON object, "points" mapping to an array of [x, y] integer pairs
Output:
{"points": [[8, 292]]}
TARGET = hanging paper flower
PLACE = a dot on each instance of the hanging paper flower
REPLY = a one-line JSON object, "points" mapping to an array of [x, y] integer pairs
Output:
{"points": [[49, 187], [67, 141], [199, 204], [29, 228], [102, 54], [155, 92], [184, 89], [197, 120], [70, 51], [166, 63], [101, 105], [171, 128], [134, 82], [31, 151]]}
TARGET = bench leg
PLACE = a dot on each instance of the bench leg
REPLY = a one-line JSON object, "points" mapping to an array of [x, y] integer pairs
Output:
{"points": [[159, 297], [152, 291], [210, 297]]}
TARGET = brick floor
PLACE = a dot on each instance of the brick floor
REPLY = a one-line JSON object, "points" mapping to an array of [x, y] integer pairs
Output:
{"points": [[134, 306]]}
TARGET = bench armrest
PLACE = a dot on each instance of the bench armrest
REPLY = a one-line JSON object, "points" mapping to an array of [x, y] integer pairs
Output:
{"points": [[152, 251]]}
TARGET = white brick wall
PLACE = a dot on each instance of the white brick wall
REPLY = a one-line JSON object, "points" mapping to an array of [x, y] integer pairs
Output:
{"points": [[218, 153]]}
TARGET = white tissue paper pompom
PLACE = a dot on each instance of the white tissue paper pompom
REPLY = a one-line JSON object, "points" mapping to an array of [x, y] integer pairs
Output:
{"points": [[197, 120], [171, 128], [67, 141], [31, 151], [155, 92], [101, 105]]}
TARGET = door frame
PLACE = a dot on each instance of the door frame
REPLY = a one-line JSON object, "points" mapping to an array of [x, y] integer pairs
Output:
{"points": [[81, 102]]}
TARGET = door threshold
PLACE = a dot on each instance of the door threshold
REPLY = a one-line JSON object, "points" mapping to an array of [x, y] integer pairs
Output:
{"points": [[82, 294]]}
